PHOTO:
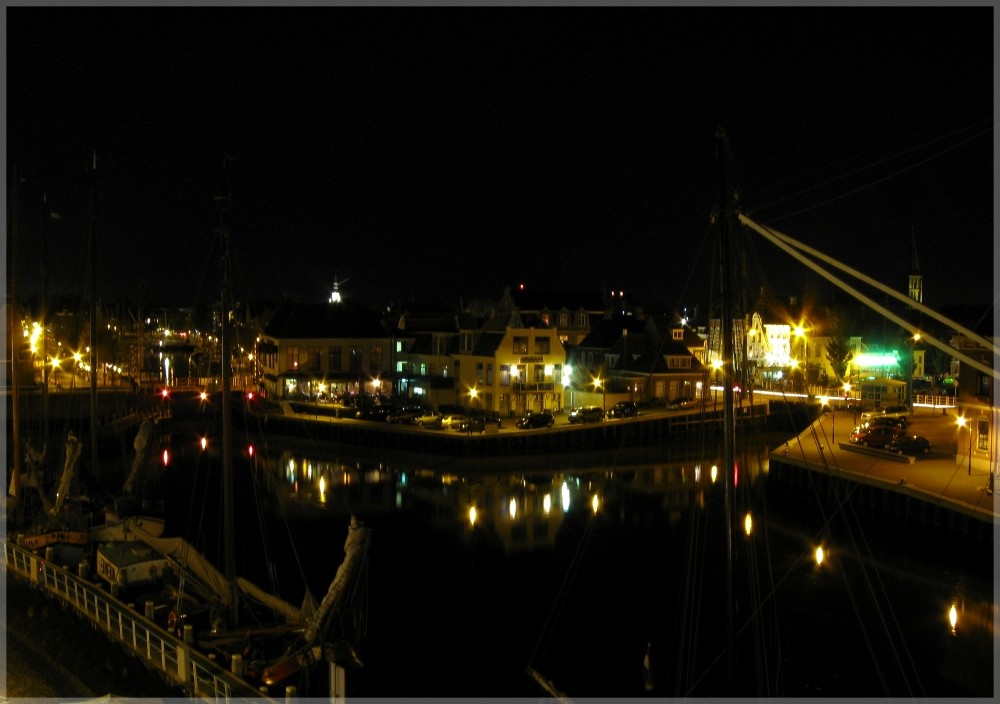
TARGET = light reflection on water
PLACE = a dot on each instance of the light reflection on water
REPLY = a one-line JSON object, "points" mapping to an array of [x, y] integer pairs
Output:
{"points": [[597, 587]]}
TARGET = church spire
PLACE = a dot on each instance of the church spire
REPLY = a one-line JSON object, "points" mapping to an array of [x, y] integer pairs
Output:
{"points": [[916, 280]]}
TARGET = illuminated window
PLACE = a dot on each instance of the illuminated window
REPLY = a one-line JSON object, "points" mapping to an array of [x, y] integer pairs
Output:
{"points": [[520, 345], [292, 358], [542, 345], [983, 435]]}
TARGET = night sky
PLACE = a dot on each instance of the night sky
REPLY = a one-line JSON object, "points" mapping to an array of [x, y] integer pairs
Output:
{"points": [[433, 154]]}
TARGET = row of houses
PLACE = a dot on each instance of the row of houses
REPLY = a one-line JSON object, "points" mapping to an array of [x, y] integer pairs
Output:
{"points": [[534, 350], [521, 352]]}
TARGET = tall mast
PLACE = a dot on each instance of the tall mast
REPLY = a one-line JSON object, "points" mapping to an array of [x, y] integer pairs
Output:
{"points": [[14, 343], [728, 369], [229, 548], [93, 317], [45, 318]]}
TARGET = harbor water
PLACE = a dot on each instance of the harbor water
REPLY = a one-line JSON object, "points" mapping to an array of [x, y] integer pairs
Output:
{"points": [[607, 574]]}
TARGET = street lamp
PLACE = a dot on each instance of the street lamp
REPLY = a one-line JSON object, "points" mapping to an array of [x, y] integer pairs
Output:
{"points": [[961, 421], [825, 401], [801, 333], [604, 396]]}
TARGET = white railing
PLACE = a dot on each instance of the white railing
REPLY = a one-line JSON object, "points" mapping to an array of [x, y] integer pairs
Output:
{"points": [[184, 666]]}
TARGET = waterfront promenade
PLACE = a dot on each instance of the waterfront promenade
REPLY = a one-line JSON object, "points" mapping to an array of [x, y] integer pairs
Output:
{"points": [[940, 477]]}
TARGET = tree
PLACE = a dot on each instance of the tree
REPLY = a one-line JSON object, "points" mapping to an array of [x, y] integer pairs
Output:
{"points": [[839, 354]]}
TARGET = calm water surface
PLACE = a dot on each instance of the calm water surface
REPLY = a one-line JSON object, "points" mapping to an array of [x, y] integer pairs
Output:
{"points": [[580, 566]]}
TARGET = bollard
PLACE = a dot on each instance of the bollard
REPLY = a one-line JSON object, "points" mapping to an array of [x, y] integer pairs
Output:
{"points": [[237, 664], [289, 694], [82, 569], [50, 554], [149, 611], [188, 633]]}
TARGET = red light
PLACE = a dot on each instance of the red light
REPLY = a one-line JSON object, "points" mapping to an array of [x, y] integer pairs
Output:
{"points": [[736, 475], [250, 450], [164, 393], [250, 395]]}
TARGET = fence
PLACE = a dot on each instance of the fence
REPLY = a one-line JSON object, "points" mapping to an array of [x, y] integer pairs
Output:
{"points": [[158, 649]]}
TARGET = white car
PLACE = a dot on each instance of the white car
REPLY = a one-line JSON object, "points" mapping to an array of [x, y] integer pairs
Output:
{"points": [[428, 419]]}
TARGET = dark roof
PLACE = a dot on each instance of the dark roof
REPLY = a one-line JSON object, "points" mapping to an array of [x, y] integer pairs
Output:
{"points": [[325, 321], [607, 331]]}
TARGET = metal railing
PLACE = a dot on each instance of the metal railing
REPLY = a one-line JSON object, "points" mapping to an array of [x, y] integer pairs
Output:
{"points": [[201, 677]]}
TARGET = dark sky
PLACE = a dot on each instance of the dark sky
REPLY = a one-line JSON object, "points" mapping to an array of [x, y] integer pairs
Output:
{"points": [[438, 153]]}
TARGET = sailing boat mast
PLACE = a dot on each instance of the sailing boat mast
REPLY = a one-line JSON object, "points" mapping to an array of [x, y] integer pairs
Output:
{"points": [[93, 316], [14, 343], [729, 425], [229, 548]]}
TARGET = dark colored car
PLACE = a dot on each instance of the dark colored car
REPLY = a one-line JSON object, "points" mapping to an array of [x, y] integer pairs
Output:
{"points": [[679, 402], [536, 420], [885, 422], [875, 436], [376, 413], [476, 424], [405, 415], [586, 414], [909, 445], [623, 409]]}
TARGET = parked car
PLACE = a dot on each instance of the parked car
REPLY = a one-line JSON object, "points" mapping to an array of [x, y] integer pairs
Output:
{"points": [[475, 424], [623, 409], [405, 415], [488, 417], [586, 414], [901, 414], [909, 445], [453, 421], [377, 413], [679, 402], [428, 419], [874, 436], [536, 420], [856, 406], [885, 421]]}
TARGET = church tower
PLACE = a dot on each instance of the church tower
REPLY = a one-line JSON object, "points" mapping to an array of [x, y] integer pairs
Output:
{"points": [[916, 280]]}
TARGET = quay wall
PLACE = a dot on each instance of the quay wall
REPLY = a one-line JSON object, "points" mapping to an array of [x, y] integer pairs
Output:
{"points": [[510, 441], [896, 510]]}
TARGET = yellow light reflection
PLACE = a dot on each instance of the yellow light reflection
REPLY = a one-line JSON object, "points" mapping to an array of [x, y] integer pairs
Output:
{"points": [[819, 555], [513, 508], [953, 618], [748, 524], [565, 497], [594, 503], [204, 443], [547, 503], [715, 473], [472, 515]]}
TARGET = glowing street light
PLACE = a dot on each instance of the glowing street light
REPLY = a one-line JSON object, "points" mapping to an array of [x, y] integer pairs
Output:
{"points": [[961, 421], [598, 384]]}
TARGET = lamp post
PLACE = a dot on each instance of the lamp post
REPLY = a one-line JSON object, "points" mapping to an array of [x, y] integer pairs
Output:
{"points": [[801, 333], [825, 401], [962, 422], [514, 375], [598, 384]]}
